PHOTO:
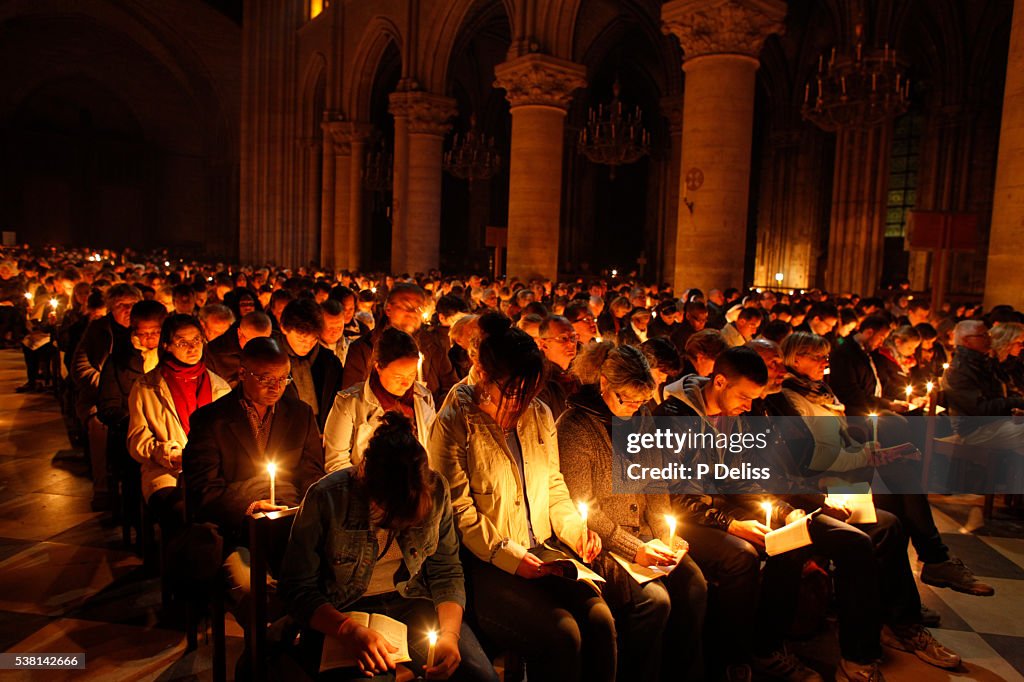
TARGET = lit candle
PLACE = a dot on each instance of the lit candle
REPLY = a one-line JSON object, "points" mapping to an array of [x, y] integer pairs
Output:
{"points": [[874, 426], [28, 296], [598, 339], [671, 521], [419, 368], [432, 639], [615, 273], [931, 398], [779, 277], [767, 507], [54, 303], [272, 471], [945, 366], [909, 390]]}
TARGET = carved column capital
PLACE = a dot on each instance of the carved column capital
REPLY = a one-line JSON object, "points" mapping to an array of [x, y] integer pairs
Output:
{"points": [[426, 113], [706, 27], [341, 134], [539, 79]]}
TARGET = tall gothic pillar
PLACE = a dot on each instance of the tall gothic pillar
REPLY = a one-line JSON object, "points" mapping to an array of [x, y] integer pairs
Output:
{"points": [[1005, 256], [539, 89], [721, 41], [327, 197], [856, 243], [422, 120], [336, 243], [359, 135], [672, 110]]}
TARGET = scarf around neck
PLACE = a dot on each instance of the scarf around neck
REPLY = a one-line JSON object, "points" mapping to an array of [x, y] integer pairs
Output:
{"points": [[818, 392], [190, 388]]}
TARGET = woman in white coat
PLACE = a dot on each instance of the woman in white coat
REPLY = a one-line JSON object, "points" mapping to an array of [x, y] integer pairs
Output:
{"points": [[393, 385], [159, 407]]}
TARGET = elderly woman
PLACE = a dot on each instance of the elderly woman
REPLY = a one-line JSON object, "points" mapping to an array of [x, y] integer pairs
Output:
{"points": [[392, 386], [835, 450], [496, 444], [617, 386], [159, 408], [1007, 342], [379, 538]]}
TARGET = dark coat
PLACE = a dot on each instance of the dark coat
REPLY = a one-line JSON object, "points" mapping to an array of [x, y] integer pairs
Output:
{"points": [[224, 356], [225, 472], [851, 379], [972, 389], [327, 374]]}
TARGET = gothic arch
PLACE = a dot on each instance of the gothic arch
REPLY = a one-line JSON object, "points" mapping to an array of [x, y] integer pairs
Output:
{"points": [[379, 33], [451, 20], [313, 100]]}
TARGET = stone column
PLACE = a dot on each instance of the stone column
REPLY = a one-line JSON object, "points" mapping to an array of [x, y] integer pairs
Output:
{"points": [[421, 120], [327, 198], [860, 183], [1005, 255], [337, 240], [359, 136], [721, 41], [672, 110], [539, 89]]}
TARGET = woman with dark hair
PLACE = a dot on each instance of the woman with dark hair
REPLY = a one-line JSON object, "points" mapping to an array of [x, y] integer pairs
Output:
{"points": [[392, 385], [895, 360], [159, 408], [665, 366], [379, 538], [497, 446], [668, 610]]}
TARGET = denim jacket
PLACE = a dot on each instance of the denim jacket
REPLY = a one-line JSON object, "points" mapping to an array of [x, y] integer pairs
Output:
{"points": [[333, 550]]}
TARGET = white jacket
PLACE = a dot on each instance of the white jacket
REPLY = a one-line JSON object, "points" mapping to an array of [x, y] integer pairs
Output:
{"points": [[354, 418], [153, 427]]}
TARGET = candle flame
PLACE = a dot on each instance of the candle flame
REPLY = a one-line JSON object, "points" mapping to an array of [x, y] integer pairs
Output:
{"points": [[929, 386], [582, 506], [432, 637], [54, 303], [671, 521], [272, 469], [909, 390]]}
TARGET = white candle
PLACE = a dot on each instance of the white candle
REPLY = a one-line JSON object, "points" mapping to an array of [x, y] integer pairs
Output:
{"points": [[272, 471], [874, 427], [54, 303], [767, 507], [671, 521], [28, 296], [419, 368], [909, 390], [432, 638]]}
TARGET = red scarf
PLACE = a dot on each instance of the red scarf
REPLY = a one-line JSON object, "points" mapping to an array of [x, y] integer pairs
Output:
{"points": [[190, 387]]}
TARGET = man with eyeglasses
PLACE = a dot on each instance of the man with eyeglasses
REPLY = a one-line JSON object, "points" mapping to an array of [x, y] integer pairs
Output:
{"points": [[403, 310], [231, 442], [558, 341], [316, 372], [583, 321]]}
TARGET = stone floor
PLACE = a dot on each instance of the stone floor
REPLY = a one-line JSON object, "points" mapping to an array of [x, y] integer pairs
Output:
{"points": [[68, 585]]}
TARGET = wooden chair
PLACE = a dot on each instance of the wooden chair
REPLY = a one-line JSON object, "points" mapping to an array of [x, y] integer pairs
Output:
{"points": [[965, 460]]}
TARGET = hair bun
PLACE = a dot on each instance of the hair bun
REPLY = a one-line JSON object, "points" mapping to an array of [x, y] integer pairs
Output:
{"points": [[393, 423]]}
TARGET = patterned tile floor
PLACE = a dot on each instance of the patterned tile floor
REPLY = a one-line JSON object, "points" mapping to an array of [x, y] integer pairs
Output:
{"points": [[68, 585]]}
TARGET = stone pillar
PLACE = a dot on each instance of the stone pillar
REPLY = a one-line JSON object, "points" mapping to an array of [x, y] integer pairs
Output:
{"points": [[1005, 255], [721, 41], [340, 220], [860, 182], [421, 121], [539, 89], [359, 136], [672, 110], [327, 198]]}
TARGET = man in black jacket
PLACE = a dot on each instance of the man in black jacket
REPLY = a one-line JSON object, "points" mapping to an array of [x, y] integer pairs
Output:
{"points": [[231, 442], [852, 374], [403, 310], [316, 371]]}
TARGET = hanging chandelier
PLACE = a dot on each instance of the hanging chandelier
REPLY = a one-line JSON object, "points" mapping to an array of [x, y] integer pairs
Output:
{"points": [[472, 156], [856, 90], [614, 137], [378, 170]]}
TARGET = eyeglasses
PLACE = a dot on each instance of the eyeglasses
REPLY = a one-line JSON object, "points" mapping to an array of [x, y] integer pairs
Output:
{"points": [[407, 308], [563, 338], [630, 403], [147, 335], [185, 344], [271, 382]]}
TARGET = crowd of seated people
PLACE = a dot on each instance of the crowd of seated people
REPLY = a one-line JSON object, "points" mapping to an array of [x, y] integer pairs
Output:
{"points": [[448, 442]]}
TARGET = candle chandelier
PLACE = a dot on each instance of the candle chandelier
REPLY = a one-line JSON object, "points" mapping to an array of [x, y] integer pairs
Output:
{"points": [[472, 156], [614, 136], [378, 170], [856, 89]]}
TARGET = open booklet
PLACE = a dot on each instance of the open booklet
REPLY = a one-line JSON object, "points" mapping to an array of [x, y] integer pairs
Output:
{"points": [[791, 536], [337, 654], [564, 566], [645, 574], [857, 498]]}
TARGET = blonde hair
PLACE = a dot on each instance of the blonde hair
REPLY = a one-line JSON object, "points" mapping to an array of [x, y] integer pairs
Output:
{"points": [[1003, 335], [799, 343]]}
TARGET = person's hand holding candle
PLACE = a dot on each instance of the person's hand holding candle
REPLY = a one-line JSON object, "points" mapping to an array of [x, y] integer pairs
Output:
{"points": [[443, 657]]}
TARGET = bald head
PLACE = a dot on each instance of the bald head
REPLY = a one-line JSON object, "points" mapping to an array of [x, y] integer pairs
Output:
{"points": [[972, 334]]}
